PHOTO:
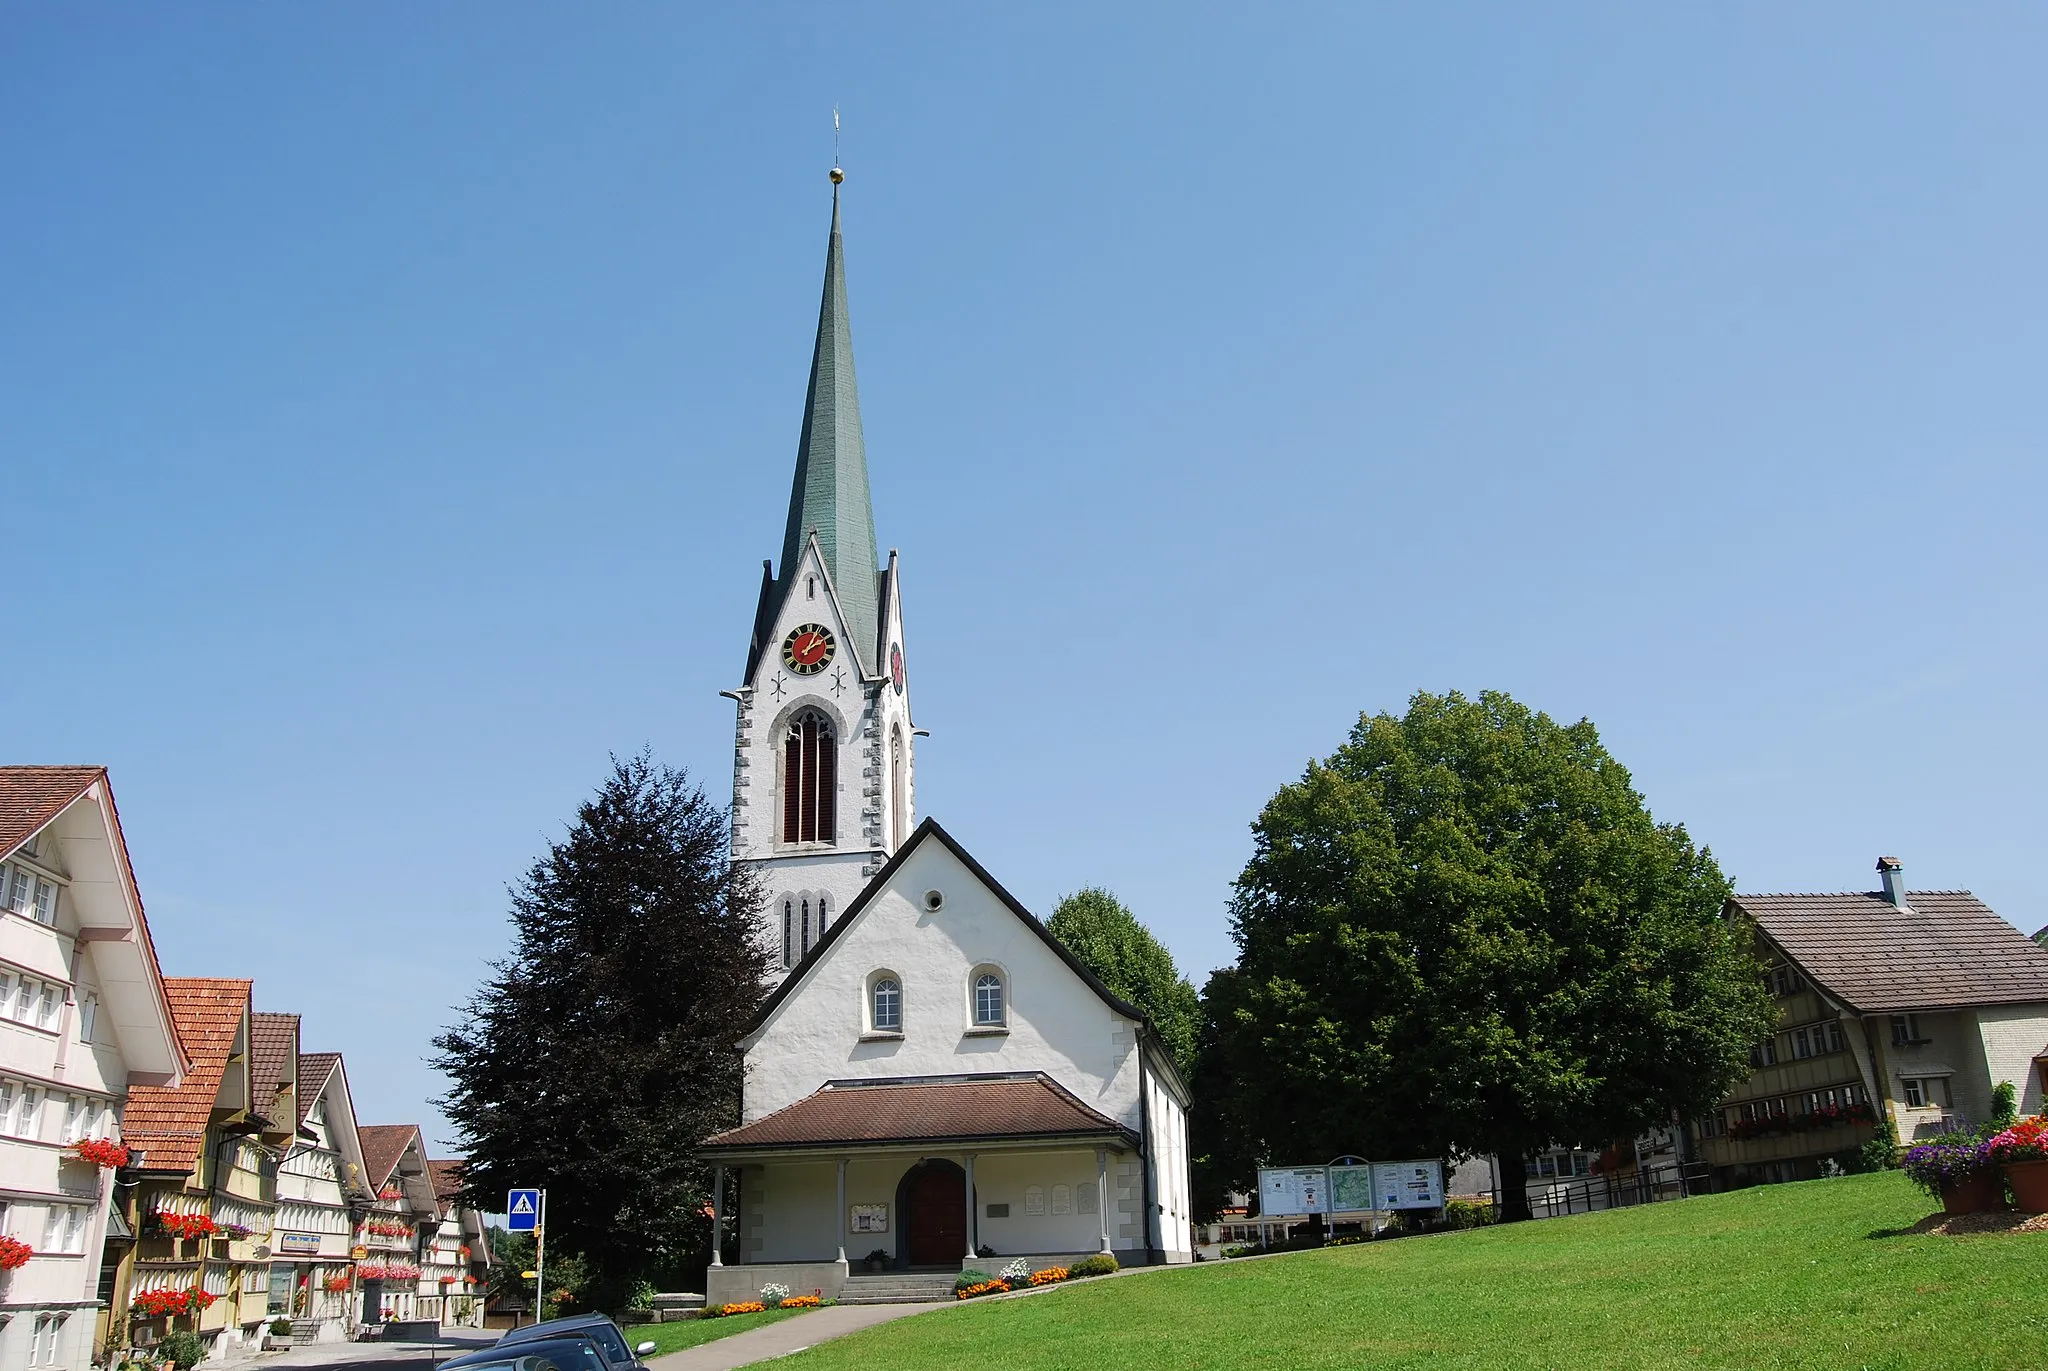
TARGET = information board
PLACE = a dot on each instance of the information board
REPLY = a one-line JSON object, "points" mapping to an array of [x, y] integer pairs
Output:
{"points": [[1408, 1185], [1294, 1190], [1351, 1190]]}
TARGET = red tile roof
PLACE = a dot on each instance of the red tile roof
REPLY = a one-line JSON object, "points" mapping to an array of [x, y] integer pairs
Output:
{"points": [[943, 1109], [314, 1069], [168, 1124], [273, 1063], [1945, 950], [447, 1180], [31, 796], [383, 1145]]}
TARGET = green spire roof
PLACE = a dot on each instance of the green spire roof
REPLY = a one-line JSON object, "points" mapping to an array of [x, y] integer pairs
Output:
{"points": [[830, 493]]}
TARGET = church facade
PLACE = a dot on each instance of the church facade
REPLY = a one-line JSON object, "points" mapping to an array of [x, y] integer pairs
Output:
{"points": [[934, 1080]]}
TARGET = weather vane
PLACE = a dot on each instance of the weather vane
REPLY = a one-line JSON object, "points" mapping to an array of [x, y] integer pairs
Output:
{"points": [[837, 174]]}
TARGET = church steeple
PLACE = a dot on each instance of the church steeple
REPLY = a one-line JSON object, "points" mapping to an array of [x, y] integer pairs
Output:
{"points": [[830, 493]]}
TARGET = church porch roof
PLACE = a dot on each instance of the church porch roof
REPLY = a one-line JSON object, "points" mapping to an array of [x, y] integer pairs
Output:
{"points": [[926, 1111]]}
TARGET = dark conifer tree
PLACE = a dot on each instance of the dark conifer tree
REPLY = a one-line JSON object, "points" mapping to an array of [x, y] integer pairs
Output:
{"points": [[604, 1049]]}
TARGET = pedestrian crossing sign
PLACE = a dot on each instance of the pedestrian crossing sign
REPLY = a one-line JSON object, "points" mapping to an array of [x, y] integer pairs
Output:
{"points": [[522, 1211]]}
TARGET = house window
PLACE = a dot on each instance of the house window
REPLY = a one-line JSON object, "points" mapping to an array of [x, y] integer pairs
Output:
{"points": [[1906, 1030], [1916, 1096], [885, 1014], [77, 1117], [64, 1228], [1764, 1053], [821, 918], [807, 928], [1835, 1043], [810, 783], [788, 933], [1800, 1048], [988, 1000], [88, 1014]]}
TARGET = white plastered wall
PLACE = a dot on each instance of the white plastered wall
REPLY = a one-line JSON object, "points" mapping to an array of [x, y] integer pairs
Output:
{"points": [[2009, 1038], [1057, 1023], [1167, 1143]]}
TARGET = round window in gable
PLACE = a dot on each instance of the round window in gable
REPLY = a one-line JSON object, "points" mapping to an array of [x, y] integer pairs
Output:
{"points": [[935, 900]]}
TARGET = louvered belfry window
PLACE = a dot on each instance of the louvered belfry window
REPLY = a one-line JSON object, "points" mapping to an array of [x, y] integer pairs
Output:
{"points": [[809, 780]]}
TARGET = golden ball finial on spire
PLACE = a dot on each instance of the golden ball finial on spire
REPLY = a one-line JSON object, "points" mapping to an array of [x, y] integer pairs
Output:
{"points": [[837, 176]]}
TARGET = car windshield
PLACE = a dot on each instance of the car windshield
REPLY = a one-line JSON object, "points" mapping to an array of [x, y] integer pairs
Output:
{"points": [[558, 1354], [598, 1331]]}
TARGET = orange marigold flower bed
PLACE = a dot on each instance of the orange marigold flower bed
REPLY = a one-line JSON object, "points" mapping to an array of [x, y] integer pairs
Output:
{"points": [[744, 1307], [800, 1302], [1049, 1275], [984, 1288]]}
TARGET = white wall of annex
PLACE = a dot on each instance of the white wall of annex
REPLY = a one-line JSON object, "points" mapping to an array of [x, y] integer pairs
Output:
{"points": [[1058, 1024]]}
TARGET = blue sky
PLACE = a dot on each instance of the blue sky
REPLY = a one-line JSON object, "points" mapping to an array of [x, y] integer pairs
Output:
{"points": [[396, 405]]}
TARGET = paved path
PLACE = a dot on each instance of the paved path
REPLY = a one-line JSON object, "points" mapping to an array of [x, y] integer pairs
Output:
{"points": [[781, 1339], [364, 1356]]}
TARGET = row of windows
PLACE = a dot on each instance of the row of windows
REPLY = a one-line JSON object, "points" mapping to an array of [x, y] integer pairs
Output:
{"points": [[797, 925], [22, 1115], [1784, 980], [1562, 1165], [1814, 1040], [64, 1227], [29, 893], [1715, 1124], [42, 1339], [988, 996]]}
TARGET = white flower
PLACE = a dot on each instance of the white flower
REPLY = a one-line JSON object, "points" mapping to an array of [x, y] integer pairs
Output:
{"points": [[1017, 1270], [773, 1293]]}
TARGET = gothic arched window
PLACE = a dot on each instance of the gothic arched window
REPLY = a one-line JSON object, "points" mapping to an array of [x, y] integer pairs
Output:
{"points": [[899, 808], [810, 782], [788, 933]]}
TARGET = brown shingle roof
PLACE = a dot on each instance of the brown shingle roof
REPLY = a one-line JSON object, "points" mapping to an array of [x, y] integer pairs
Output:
{"points": [[383, 1145], [940, 1110], [31, 796], [1947, 949], [168, 1124], [447, 1180], [273, 1062], [314, 1069]]}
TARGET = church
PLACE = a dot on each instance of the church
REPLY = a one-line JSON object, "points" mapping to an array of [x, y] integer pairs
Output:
{"points": [[935, 1081]]}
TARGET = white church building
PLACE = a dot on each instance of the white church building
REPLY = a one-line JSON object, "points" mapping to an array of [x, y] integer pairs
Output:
{"points": [[934, 1075]]}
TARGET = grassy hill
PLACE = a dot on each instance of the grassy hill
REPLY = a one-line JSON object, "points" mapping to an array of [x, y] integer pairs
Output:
{"points": [[1822, 1274]]}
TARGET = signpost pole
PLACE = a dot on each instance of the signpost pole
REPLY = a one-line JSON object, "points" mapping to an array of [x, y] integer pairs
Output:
{"points": [[540, 1255]]}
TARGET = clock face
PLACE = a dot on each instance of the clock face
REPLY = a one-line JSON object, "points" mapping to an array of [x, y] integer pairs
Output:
{"points": [[896, 666], [808, 649]]}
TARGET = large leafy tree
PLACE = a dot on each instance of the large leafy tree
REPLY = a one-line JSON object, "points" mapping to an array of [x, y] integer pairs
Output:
{"points": [[1464, 933], [1108, 939], [603, 1050]]}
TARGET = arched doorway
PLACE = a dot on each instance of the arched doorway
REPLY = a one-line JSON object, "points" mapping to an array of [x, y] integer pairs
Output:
{"points": [[932, 1198]]}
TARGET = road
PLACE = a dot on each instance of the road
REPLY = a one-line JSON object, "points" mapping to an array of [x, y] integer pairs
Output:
{"points": [[370, 1356]]}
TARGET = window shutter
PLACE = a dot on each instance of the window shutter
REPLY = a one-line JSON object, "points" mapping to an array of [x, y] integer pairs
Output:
{"points": [[828, 784]]}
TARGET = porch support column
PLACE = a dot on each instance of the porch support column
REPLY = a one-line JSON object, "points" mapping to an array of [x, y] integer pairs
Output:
{"points": [[717, 1215], [842, 1211], [969, 1258], [1102, 1192]]}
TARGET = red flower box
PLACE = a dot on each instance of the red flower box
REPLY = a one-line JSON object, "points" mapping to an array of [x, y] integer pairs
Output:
{"points": [[14, 1254], [104, 1153]]}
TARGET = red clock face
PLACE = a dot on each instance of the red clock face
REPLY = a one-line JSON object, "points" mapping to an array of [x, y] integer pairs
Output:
{"points": [[808, 649], [896, 666]]}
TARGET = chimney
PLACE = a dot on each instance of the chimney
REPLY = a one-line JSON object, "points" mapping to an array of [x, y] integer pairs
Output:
{"points": [[1893, 873]]}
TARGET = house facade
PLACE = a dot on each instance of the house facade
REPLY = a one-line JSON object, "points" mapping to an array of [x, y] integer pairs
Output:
{"points": [[456, 1257], [1892, 1005], [392, 1280], [940, 1078], [320, 1191], [84, 1019], [203, 1158]]}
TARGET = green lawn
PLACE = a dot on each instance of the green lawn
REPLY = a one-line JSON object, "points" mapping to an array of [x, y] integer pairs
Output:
{"points": [[1813, 1275], [674, 1337]]}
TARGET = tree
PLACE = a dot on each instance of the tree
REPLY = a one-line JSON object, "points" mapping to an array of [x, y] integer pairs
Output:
{"points": [[1463, 933], [603, 1050], [1107, 938]]}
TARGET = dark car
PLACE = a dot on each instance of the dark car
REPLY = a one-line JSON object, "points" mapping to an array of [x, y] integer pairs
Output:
{"points": [[609, 1337], [573, 1353]]}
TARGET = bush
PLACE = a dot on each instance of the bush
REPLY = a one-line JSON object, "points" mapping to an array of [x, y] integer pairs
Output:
{"points": [[280, 1328], [2005, 1106], [182, 1349], [971, 1276], [1881, 1153], [1468, 1213], [1101, 1264]]}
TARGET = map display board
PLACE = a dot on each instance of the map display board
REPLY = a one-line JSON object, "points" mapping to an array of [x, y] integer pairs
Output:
{"points": [[1351, 1190], [1408, 1185], [1294, 1190]]}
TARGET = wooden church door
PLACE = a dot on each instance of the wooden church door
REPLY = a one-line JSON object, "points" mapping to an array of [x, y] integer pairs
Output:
{"points": [[937, 1233]]}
